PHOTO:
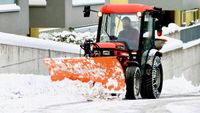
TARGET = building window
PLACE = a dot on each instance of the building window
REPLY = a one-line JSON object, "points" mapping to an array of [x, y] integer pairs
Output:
{"points": [[37, 2], [189, 17], [8, 6], [183, 20], [87, 2], [7, 1]]}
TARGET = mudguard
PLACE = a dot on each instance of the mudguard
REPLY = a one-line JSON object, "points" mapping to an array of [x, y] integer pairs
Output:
{"points": [[151, 56]]}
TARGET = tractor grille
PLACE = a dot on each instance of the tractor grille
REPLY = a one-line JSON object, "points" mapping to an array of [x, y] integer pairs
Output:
{"points": [[103, 52]]}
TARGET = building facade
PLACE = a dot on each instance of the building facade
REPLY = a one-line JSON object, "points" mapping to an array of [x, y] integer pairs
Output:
{"points": [[17, 16], [14, 16], [63, 13], [181, 12]]}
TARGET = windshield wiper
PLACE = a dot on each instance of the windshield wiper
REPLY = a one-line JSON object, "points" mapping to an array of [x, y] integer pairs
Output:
{"points": [[111, 37]]}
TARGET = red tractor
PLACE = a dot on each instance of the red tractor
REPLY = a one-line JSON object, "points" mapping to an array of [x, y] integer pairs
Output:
{"points": [[128, 32], [125, 52]]}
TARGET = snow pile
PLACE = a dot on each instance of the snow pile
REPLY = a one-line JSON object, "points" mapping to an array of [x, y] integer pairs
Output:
{"points": [[14, 86], [19, 93], [172, 28], [171, 44], [69, 37], [179, 86]]}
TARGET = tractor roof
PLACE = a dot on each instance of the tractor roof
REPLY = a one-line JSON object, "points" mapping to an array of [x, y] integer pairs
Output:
{"points": [[124, 8]]}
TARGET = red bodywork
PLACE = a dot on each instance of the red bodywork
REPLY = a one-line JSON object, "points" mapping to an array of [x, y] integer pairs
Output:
{"points": [[119, 49], [124, 8], [111, 45]]}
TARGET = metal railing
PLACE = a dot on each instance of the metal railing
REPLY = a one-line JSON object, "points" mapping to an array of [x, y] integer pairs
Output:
{"points": [[190, 33]]}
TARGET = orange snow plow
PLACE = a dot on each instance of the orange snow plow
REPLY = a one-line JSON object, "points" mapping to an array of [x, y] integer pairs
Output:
{"points": [[105, 70]]}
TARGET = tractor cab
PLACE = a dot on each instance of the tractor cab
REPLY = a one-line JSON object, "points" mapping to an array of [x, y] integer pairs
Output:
{"points": [[121, 28], [126, 31]]}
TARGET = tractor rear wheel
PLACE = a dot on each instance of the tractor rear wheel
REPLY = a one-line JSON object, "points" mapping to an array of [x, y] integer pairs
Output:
{"points": [[133, 82], [152, 80]]}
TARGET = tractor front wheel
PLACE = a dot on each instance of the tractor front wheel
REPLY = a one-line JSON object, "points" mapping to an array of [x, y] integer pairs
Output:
{"points": [[152, 80], [133, 82]]}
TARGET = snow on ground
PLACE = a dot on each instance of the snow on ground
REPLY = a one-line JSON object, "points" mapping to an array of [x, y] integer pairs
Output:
{"points": [[179, 86], [186, 107], [25, 93], [19, 93]]}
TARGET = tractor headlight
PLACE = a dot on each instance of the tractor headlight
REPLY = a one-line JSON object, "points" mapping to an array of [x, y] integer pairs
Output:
{"points": [[97, 52], [99, 14], [105, 52], [139, 14]]}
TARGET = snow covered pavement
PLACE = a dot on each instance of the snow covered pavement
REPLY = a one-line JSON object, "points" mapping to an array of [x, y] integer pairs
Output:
{"points": [[37, 94], [179, 104]]}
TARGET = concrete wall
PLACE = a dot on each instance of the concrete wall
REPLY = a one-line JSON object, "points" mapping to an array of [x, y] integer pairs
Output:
{"points": [[191, 64], [16, 22], [183, 62], [176, 63], [24, 60]]}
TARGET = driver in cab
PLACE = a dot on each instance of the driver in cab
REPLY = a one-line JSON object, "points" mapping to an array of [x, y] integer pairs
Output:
{"points": [[129, 34]]}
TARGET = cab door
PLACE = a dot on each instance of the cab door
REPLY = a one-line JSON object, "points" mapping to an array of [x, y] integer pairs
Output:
{"points": [[147, 38]]}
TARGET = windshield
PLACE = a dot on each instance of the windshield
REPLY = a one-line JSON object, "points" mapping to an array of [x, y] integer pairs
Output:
{"points": [[121, 27]]}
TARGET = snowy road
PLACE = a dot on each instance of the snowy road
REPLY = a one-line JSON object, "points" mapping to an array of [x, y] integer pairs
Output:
{"points": [[38, 94], [166, 104]]}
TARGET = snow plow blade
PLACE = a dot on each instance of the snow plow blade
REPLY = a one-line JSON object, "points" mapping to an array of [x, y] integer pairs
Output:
{"points": [[105, 70]]}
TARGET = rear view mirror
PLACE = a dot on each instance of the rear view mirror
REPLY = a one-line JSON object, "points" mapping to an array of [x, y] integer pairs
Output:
{"points": [[159, 32], [86, 11], [157, 12], [158, 27]]}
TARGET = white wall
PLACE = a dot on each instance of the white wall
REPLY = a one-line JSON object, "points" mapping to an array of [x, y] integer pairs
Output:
{"points": [[20, 54], [16, 59], [183, 62]]}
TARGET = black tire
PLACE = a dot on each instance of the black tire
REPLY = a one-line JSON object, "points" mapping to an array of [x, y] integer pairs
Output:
{"points": [[152, 80], [133, 82]]}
